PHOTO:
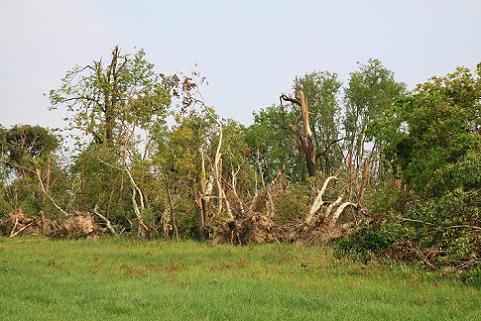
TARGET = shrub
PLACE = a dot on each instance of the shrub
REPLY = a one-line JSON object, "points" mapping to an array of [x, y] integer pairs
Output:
{"points": [[376, 235], [444, 231]]}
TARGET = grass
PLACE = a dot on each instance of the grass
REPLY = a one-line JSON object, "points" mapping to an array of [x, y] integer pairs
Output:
{"points": [[153, 280]]}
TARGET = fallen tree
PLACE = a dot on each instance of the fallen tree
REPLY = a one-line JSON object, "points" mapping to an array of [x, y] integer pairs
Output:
{"points": [[320, 224]]}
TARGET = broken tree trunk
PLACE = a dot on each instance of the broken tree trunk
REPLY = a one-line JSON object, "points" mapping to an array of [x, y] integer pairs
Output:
{"points": [[203, 197], [39, 177], [217, 170], [305, 138], [143, 230], [310, 146]]}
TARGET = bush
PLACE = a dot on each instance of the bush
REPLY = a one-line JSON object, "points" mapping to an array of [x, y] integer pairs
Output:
{"points": [[445, 231], [376, 235], [387, 197], [451, 226]]}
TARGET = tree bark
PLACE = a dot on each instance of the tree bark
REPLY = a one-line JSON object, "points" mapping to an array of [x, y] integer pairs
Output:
{"points": [[306, 137], [310, 146]]}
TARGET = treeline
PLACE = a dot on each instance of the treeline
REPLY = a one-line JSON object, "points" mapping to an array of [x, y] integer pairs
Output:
{"points": [[387, 170]]}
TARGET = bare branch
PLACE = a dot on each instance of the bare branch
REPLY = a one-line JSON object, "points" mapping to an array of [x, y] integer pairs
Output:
{"points": [[37, 171], [339, 211], [106, 220]]}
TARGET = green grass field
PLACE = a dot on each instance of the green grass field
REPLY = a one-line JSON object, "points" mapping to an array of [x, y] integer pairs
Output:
{"points": [[154, 280]]}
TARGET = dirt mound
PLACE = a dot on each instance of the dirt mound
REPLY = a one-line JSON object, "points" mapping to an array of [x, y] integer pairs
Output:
{"points": [[78, 225], [254, 229]]}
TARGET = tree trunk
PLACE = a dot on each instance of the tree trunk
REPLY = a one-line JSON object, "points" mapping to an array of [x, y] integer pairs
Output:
{"points": [[310, 146], [306, 137]]}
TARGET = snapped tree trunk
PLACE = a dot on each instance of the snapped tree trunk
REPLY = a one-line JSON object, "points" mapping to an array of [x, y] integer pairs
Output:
{"points": [[306, 137], [310, 146]]}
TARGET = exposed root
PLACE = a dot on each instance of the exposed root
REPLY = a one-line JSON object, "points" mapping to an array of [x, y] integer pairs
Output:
{"points": [[78, 225], [254, 229], [319, 225], [17, 223]]}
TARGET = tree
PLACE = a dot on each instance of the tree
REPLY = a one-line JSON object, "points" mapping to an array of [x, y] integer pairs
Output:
{"points": [[110, 101], [321, 90], [23, 145], [304, 137], [116, 104], [31, 168], [371, 92], [273, 145], [437, 143]]}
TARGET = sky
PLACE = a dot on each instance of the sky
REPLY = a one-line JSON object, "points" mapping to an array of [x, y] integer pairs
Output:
{"points": [[250, 51]]}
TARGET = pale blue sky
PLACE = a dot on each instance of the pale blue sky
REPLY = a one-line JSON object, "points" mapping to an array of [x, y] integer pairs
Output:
{"points": [[250, 51]]}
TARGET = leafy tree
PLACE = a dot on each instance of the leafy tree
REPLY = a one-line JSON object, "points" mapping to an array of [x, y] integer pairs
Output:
{"points": [[273, 144], [437, 145], [369, 95], [31, 172], [176, 159], [110, 101], [24, 144], [321, 89]]}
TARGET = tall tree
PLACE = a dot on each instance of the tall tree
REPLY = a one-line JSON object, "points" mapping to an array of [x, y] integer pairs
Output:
{"points": [[272, 144], [108, 101], [371, 92], [436, 141], [321, 91]]}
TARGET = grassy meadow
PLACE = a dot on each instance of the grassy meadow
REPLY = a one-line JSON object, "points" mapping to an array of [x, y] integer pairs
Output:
{"points": [[118, 279]]}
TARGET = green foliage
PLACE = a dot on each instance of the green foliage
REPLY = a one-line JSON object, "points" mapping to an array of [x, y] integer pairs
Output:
{"points": [[28, 156], [433, 145], [22, 144], [105, 101], [369, 97], [273, 144], [450, 226], [437, 145], [386, 197], [100, 183], [321, 89], [447, 228], [5, 206], [373, 237], [291, 203]]}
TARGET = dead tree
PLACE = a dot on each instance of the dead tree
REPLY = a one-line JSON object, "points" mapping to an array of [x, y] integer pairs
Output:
{"points": [[305, 138], [202, 201]]}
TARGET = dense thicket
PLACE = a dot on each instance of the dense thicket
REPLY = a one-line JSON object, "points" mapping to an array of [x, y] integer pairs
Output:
{"points": [[389, 171]]}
